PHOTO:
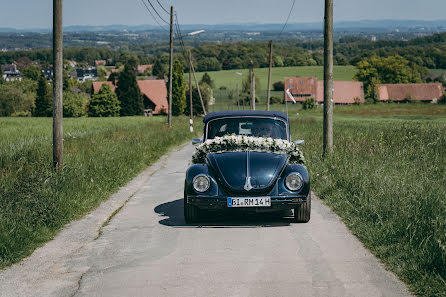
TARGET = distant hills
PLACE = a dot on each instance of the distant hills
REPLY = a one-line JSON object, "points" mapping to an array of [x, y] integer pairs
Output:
{"points": [[353, 26]]}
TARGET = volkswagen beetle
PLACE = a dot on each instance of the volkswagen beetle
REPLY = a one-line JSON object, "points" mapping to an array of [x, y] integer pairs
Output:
{"points": [[249, 179]]}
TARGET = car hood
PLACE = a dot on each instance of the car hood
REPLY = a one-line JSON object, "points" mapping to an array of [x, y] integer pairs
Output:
{"points": [[247, 172]]}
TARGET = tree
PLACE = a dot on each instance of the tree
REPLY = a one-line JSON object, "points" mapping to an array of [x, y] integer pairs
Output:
{"points": [[196, 102], [158, 69], [246, 85], [43, 100], [208, 64], [104, 104], [278, 86], [14, 100], [178, 89], [391, 70], [206, 78], [32, 72], [102, 73], [74, 104], [128, 92]]}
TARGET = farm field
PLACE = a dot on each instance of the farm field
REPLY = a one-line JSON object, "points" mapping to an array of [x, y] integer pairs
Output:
{"points": [[230, 78], [100, 155], [386, 180]]}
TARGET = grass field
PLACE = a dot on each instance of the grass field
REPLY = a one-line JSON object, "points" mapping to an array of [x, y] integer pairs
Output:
{"points": [[230, 78], [387, 180], [100, 155]]}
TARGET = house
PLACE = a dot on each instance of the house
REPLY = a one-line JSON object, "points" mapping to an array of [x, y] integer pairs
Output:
{"points": [[154, 93], [97, 85], [345, 92], [10, 72], [72, 63], [48, 73], [427, 92], [100, 63], [143, 68], [89, 73]]}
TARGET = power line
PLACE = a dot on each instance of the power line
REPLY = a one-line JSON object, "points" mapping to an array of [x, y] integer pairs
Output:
{"points": [[287, 19], [165, 10], [148, 9], [157, 13]]}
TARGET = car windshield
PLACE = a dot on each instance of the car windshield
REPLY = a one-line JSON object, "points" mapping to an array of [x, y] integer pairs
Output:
{"points": [[260, 127]]}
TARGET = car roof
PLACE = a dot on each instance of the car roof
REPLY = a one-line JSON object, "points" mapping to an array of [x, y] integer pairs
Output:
{"points": [[242, 113]]}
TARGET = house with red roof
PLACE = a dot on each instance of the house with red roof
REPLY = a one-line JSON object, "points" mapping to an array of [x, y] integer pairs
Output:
{"points": [[100, 62], [301, 88], [97, 85], [143, 68], [428, 92], [154, 93]]}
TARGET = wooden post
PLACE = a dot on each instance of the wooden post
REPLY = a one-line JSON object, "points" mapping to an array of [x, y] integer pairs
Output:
{"points": [[328, 78], [238, 99], [268, 94], [57, 85], [198, 86], [252, 80], [190, 94], [169, 116]]}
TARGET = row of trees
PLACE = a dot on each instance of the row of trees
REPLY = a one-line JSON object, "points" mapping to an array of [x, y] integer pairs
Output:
{"points": [[33, 96], [427, 52]]}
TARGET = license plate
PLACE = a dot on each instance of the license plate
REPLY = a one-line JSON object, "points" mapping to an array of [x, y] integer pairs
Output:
{"points": [[249, 202]]}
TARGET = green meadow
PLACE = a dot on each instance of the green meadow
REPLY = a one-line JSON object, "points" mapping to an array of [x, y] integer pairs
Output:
{"points": [[100, 155], [387, 181], [231, 78]]}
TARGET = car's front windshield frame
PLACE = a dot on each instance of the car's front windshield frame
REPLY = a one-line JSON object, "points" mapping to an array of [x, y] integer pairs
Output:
{"points": [[252, 117]]}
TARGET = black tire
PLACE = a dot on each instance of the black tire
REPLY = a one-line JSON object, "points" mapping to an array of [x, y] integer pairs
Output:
{"points": [[191, 212], [303, 211]]}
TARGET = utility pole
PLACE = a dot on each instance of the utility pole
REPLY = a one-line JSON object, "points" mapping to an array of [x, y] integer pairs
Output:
{"points": [[57, 85], [190, 94], [198, 85], [238, 99], [268, 94], [252, 80], [328, 78], [169, 116]]}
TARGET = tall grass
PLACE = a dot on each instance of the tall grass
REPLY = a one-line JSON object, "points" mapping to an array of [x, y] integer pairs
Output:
{"points": [[387, 180], [100, 155]]}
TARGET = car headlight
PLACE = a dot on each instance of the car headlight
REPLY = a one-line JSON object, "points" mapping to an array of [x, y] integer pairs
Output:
{"points": [[294, 181], [201, 183]]}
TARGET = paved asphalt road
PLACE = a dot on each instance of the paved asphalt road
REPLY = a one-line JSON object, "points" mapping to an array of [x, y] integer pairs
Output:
{"points": [[147, 250]]}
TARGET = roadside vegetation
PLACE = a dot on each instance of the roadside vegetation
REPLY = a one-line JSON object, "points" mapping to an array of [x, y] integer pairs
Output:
{"points": [[386, 179], [100, 155]]}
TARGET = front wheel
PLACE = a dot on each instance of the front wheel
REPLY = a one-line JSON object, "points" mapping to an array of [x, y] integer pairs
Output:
{"points": [[303, 211]]}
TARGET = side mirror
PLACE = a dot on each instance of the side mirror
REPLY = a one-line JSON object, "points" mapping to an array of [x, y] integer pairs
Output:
{"points": [[196, 141], [299, 142]]}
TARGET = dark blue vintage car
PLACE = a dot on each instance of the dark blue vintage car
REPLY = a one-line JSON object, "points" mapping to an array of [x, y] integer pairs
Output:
{"points": [[247, 179]]}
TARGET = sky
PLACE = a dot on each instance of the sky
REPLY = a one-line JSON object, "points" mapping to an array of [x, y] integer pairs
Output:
{"points": [[38, 13]]}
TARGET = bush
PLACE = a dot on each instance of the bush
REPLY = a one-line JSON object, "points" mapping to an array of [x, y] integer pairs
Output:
{"points": [[442, 99], [74, 105], [247, 100], [309, 103], [14, 100], [104, 104], [278, 86], [276, 100]]}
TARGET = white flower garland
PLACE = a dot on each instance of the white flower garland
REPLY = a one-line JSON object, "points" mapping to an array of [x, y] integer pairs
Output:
{"points": [[241, 143]]}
